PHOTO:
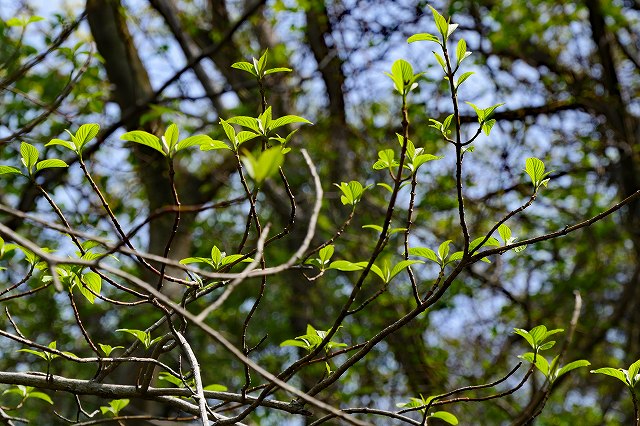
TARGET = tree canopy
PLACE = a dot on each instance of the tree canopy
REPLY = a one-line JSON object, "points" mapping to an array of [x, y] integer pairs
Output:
{"points": [[320, 212]]}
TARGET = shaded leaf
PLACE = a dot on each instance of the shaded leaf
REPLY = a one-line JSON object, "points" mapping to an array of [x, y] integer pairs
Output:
{"points": [[41, 395]]}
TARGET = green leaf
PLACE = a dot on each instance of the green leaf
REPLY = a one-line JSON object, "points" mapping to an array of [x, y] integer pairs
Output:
{"points": [[244, 121], [397, 83], [245, 66], [51, 163], [29, 156], [505, 233], [463, 78], [403, 70], [171, 136], [213, 145], [168, 377], [18, 390], [85, 134], [461, 50], [92, 283], [41, 395], [400, 266], [424, 252], [116, 406], [441, 61], [144, 138], [229, 131], [455, 256], [22, 22], [216, 255], [351, 192], [15, 22], [443, 250], [66, 144], [539, 334], [325, 254], [384, 276], [435, 124], [233, 258], [40, 354], [345, 265], [550, 333], [107, 349], [385, 160], [142, 336], [536, 170], [275, 70], [572, 366], [396, 230], [445, 124], [541, 362], [421, 159], [634, 370], [196, 140], [447, 417], [423, 37], [526, 335], [9, 170], [244, 136], [385, 186], [441, 23], [402, 76], [491, 242], [266, 165], [215, 388], [488, 112], [618, 373], [377, 228], [287, 119], [262, 62], [297, 343], [205, 260], [487, 126], [479, 112], [265, 120], [547, 345]]}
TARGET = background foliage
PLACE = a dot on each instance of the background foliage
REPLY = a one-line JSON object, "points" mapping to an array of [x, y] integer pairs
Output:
{"points": [[567, 73]]}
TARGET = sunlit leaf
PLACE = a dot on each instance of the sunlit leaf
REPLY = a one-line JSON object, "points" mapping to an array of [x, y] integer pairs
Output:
{"points": [[423, 37], [144, 138], [51, 163]]}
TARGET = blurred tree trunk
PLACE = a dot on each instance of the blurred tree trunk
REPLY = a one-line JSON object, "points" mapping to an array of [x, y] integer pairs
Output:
{"points": [[131, 89]]}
